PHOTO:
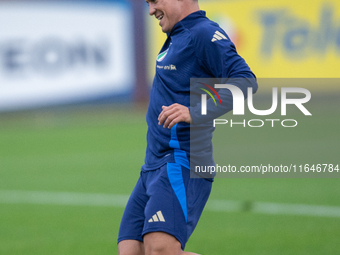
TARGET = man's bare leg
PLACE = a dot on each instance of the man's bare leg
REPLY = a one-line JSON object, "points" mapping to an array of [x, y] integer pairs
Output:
{"points": [[160, 243], [130, 247]]}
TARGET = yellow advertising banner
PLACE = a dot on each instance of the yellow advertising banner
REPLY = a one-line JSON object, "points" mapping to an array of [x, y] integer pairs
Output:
{"points": [[278, 39]]}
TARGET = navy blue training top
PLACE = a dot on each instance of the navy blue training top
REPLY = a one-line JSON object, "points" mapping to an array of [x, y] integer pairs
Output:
{"points": [[195, 48]]}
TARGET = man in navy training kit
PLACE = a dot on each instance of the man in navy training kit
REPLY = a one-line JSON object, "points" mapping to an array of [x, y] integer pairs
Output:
{"points": [[166, 203]]}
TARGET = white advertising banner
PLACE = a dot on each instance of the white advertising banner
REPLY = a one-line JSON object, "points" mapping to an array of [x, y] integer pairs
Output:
{"points": [[64, 52]]}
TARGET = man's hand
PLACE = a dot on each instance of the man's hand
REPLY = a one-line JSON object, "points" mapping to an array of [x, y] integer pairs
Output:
{"points": [[173, 114]]}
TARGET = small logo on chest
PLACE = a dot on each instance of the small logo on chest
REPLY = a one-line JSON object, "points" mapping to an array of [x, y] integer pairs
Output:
{"points": [[169, 67], [163, 54]]}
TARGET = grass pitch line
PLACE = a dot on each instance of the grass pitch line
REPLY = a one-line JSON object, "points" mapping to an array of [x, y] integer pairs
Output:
{"points": [[62, 198], [273, 208], [113, 200]]}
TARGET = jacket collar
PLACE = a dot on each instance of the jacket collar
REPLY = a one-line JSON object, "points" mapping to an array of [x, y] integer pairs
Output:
{"points": [[188, 21]]}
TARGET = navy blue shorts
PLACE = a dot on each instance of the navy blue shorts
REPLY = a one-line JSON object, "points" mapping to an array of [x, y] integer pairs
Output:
{"points": [[165, 200]]}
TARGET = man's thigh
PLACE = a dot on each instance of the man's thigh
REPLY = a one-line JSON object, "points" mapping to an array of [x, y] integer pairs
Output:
{"points": [[164, 200], [175, 202], [131, 247], [161, 243], [132, 223]]}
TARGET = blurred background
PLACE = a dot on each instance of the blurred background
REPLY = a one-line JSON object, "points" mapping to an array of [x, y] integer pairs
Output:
{"points": [[74, 83]]}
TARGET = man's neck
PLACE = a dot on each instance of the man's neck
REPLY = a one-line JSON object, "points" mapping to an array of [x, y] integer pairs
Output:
{"points": [[189, 7]]}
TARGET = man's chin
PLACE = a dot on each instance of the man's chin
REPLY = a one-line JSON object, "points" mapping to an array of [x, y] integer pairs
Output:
{"points": [[165, 29]]}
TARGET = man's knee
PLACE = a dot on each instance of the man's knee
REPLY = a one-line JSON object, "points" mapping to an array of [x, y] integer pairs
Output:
{"points": [[160, 243]]}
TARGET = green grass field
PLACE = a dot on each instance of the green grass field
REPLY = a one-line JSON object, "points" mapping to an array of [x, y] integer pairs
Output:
{"points": [[101, 151]]}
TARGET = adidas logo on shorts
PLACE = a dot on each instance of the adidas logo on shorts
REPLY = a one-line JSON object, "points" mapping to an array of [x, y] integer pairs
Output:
{"points": [[157, 217]]}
